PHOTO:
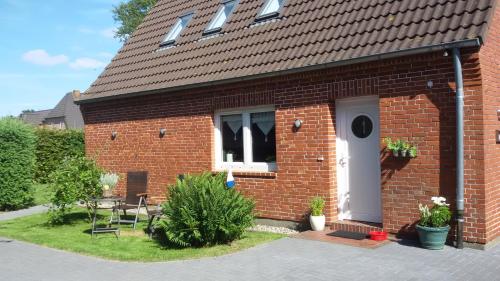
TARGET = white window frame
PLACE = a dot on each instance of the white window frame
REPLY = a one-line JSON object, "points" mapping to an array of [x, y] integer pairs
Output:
{"points": [[247, 164], [263, 16], [181, 23], [222, 10]]}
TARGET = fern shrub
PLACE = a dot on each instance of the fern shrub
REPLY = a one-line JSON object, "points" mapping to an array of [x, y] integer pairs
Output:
{"points": [[17, 164], [201, 211]]}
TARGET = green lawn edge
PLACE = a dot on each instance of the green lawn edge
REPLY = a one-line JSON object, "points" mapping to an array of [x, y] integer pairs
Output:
{"points": [[132, 246]]}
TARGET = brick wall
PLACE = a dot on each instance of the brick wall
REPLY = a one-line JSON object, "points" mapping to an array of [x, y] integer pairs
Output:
{"points": [[490, 71], [408, 110]]}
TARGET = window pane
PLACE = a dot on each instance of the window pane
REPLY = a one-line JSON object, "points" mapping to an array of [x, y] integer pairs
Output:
{"points": [[232, 138], [263, 137], [178, 27], [271, 6], [222, 15], [175, 31], [219, 19]]}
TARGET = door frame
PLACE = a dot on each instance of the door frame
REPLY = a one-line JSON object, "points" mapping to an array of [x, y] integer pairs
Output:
{"points": [[342, 151]]}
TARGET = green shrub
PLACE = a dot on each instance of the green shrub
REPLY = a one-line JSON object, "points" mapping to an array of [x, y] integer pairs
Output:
{"points": [[77, 179], [317, 206], [201, 211], [53, 147], [17, 164]]}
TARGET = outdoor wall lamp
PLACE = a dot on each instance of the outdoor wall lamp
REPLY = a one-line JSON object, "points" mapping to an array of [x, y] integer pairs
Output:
{"points": [[163, 131], [430, 84], [498, 114], [497, 136], [297, 123], [114, 134]]}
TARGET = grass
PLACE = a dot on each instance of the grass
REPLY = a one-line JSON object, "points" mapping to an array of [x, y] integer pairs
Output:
{"points": [[41, 194], [131, 246]]}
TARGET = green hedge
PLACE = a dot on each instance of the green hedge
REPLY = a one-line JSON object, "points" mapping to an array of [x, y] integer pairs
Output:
{"points": [[53, 147], [17, 164]]}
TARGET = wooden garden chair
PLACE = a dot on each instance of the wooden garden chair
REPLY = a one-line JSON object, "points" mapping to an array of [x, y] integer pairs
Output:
{"points": [[136, 199]]}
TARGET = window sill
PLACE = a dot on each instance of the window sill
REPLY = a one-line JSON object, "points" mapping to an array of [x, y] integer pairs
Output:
{"points": [[250, 174]]}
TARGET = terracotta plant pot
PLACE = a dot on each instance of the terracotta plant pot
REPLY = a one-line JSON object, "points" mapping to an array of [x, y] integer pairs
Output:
{"points": [[317, 222]]}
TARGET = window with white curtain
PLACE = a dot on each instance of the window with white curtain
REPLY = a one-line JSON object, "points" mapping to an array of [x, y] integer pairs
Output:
{"points": [[221, 16], [271, 8], [179, 25], [246, 139]]}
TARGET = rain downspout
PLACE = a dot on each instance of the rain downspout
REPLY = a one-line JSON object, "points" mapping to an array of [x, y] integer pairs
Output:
{"points": [[460, 146]]}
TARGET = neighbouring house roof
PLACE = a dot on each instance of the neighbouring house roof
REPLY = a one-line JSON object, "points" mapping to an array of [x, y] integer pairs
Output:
{"points": [[35, 118], [67, 109], [306, 34]]}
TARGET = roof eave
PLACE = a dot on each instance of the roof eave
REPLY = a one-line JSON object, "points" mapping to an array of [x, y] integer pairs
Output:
{"points": [[476, 42]]}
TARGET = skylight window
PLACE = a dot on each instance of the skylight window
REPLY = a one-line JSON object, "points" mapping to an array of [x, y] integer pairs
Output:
{"points": [[270, 9], [176, 30], [221, 17]]}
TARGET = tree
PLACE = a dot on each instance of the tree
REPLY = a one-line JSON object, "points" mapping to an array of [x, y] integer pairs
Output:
{"points": [[129, 15]]}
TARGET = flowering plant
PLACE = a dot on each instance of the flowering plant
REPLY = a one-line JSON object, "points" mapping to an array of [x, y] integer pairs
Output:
{"points": [[437, 216], [109, 181]]}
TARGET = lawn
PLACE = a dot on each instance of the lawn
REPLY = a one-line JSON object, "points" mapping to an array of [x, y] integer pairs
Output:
{"points": [[131, 246], [41, 194]]}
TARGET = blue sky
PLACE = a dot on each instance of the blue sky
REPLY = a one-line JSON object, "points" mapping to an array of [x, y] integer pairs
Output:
{"points": [[49, 48]]}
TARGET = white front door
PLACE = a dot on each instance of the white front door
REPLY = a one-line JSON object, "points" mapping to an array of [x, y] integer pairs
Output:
{"points": [[358, 159]]}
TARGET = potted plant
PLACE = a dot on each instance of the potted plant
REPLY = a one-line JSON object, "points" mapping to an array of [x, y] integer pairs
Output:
{"points": [[317, 218], [108, 183], [405, 149], [392, 146], [434, 225], [413, 152]]}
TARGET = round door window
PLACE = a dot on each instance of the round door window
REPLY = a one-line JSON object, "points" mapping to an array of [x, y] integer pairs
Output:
{"points": [[362, 126]]}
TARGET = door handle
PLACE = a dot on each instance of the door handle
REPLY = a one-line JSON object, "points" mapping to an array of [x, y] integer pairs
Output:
{"points": [[342, 162]]}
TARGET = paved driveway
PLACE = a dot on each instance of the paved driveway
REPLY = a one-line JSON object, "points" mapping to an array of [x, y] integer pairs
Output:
{"points": [[285, 259]]}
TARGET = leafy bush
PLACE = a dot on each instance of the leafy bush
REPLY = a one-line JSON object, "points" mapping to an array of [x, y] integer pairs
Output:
{"points": [[77, 179], [201, 211], [53, 147], [317, 206], [17, 164], [437, 216]]}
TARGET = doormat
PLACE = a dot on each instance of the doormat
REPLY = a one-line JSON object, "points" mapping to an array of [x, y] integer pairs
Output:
{"points": [[348, 235]]}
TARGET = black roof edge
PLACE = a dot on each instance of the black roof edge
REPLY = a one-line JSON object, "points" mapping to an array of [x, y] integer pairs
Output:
{"points": [[476, 42]]}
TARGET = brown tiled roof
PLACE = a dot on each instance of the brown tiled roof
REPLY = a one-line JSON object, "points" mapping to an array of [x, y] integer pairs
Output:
{"points": [[307, 33]]}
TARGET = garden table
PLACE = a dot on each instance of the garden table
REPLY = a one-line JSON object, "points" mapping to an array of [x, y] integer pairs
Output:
{"points": [[107, 203]]}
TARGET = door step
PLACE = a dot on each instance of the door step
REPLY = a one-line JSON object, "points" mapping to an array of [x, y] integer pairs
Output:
{"points": [[356, 226]]}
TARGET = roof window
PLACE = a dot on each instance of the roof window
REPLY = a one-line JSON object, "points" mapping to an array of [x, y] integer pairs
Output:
{"points": [[270, 9], [172, 35], [221, 17]]}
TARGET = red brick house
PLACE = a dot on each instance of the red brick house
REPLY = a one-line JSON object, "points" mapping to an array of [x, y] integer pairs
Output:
{"points": [[300, 94]]}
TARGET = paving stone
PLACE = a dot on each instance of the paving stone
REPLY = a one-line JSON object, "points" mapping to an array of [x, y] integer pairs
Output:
{"points": [[285, 259]]}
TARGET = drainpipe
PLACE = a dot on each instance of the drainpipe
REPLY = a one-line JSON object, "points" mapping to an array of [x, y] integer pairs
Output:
{"points": [[460, 146]]}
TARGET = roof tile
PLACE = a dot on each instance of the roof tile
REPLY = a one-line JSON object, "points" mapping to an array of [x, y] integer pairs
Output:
{"points": [[307, 33]]}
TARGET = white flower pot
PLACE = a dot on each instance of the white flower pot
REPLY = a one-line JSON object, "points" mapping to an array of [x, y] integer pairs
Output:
{"points": [[317, 222]]}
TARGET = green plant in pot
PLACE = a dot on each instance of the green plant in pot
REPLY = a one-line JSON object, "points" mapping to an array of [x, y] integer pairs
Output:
{"points": [[433, 226], [317, 218], [109, 181], [413, 152], [393, 146], [405, 149]]}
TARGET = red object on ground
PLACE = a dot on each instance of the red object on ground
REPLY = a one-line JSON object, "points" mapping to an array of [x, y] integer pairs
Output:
{"points": [[378, 235]]}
